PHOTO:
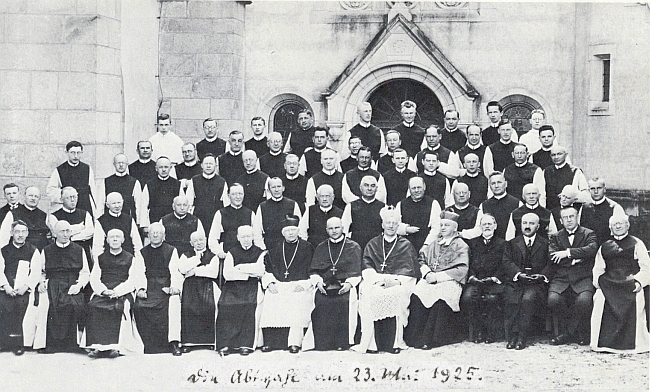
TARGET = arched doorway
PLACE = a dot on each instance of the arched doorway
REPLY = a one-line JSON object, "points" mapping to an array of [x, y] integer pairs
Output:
{"points": [[283, 117], [387, 98], [517, 109]]}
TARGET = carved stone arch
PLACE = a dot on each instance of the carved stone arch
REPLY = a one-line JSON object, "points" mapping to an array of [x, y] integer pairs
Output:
{"points": [[522, 95], [270, 107]]}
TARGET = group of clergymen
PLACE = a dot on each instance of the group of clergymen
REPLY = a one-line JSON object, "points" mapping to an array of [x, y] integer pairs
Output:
{"points": [[264, 244]]}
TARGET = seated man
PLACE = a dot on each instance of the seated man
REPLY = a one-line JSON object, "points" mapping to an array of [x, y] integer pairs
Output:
{"points": [[525, 266], [621, 271], [20, 272], [200, 294], [481, 298], [389, 271], [419, 214], [239, 305], [157, 307], [289, 297], [66, 274], [435, 303], [34, 218], [81, 221], [570, 292], [116, 276], [115, 219], [335, 271]]}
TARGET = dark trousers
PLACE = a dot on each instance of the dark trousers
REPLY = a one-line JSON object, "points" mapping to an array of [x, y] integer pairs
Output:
{"points": [[572, 309], [520, 314], [483, 311], [434, 326]]}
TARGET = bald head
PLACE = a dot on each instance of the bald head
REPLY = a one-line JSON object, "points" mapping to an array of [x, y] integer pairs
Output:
{"points": [[62, 232], [114, 203], [529, 224], [198, 241], [180, 205], [334, 227]]}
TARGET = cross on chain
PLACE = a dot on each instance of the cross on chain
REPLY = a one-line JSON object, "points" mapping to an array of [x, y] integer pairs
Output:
{"points": [[333, 269], [286, 274], [383, 265]]}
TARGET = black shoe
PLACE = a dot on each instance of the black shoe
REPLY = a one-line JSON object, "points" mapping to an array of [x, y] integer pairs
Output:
{"points": [[372, 351], [266, 349], [19, 351], [478, 338], [294, 349], [94, 354], [176, 350], [563, 338], [425, 347], [186, 349], [224, 351], [340, 349], [112, 354], [511, 343], [245, 351], [521, 344], [488, 340], [396, 350]]}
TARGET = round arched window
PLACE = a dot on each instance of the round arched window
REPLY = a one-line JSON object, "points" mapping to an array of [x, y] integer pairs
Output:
{"points": [[517, 108]]}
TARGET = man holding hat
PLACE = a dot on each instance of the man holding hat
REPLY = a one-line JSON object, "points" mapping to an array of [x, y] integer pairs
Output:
{"points": [[289, 297], [435, 302]]}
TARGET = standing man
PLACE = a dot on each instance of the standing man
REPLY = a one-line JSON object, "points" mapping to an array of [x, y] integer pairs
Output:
{"points": [[531, 138], [258, 142], [289, 296], [238, 309], [521, 172], [76, 174], [165, 143], [371, 136], [116, 219], [295, 184], [20, 272], [66, 274], [200, 294], [223, 233], [230, 164], [300, 139], [499, 154], [452, 137], [467, 213], [328, 175], [490, 134], [115, 278], [123, 183], [144, 168], [526, 263], [389, 270], [542, 157], [12, 194], [207, 192], [335, 272], [474, 144], [596, 216], [254, 181], [435, 303], [158, 195], [420, 215], [393, 143], [397, 178], [32, 216], [190, 166], [411, 134], [448, 161], [82, 227], [475, 181], [310, 161], [180, 224], [352, 179], [349, 163], [560, 174], [312, 226], [157, 307], [437, 184], [530, 195], [211, 144], [361, 219], [269, 216], [570, 293], [272, 162]]}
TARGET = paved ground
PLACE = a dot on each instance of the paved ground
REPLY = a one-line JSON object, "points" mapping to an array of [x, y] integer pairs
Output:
{"points": [[460, 366]]}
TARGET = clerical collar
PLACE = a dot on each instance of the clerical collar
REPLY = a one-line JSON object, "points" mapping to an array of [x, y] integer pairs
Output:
{"points": [[251, 171], [115, 253], [397, 169], [163, 179], [319, 150], [325, 209], [29, 208], [209, 176], [235, 154], [506, 143], [408, 125], [121, 174], [599, 202], [461, 207], [155, 246], [144, 160], [74, 164], [433, 148], [522, 164], [368, 201], [63, 245], [365, 125], [68, 211], [275, 154], [533, 206], [430, 173], [451, 130], [620, 237], [363, 169], [389, 239], [495, 125], [112, 214], [212, 139], [18, 246], [292, 177], [446, 241], [192, 165], [179, 217], [561, 166], [258, 138], [417, 201], [329, 172], [291, 242], [336, 241], [501, 196], [546, 149], [235, 207], [473, 175], [476, 147], [277, 199]]}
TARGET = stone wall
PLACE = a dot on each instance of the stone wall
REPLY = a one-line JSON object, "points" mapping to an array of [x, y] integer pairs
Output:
{"points": [[60, 80], [202, 65]]}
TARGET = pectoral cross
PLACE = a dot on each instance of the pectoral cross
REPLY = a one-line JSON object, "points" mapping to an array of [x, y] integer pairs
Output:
{"points": [[286, 274], [383, 265], [333, 269]]}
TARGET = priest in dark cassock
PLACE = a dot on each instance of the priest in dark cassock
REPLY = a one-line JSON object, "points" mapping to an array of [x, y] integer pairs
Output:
{"points": [[66, 274], [190, 167], [269, 217], [437, 184], [498, 155], [467, 213], [180, 224], [522, 172], [272, 163], [310, 161], [12, 195], [34, 218], [328, 175], [123, 183], [595, 216], [200, 294], [289, 296], [371, 136], [230, 164], [452, 137], [300, 139], [295, 185], [81, 222], [254, 181], [475, 180], [240, 303], [157, 307], [412, 135], [531, 197], [312, 226], [20, 272], [542, 157], [393, 143], [76, 174], [144, 168], [389, 270], [258, 142], [420, 215], [361, 219], [114, 218], [448, 164], [211, 144], [560, 174], [158, 195], [349, 163], [335, 272], [115, 278], [351, 190], [207, 192], [223, 233], [621, 271], [397, 178], [434, 317], [473, 145]]}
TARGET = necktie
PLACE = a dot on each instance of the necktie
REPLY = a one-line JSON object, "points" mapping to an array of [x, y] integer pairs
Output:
{"points": [[571, 237]]}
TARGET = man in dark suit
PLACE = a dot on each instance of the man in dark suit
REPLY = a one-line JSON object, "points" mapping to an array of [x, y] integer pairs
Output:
{"points": [[570, 292], [525, 266]]}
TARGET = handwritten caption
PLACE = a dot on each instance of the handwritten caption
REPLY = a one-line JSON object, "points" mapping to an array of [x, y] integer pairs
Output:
{"points": [[316, 375]]}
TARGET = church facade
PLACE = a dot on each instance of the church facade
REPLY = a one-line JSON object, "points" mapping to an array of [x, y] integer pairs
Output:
{"points": [[100, 70]]}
